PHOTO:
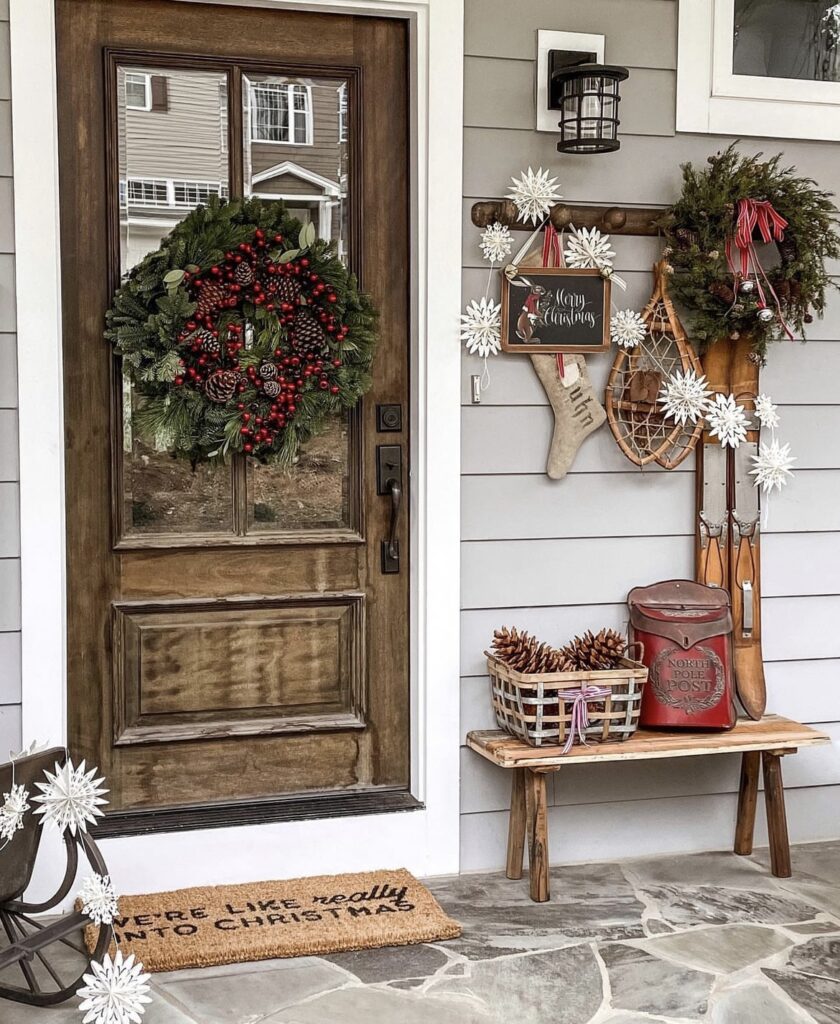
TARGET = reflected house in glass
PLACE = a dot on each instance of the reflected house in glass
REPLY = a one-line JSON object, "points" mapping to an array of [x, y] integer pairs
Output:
{"points": [[173, 149], [295, 148]]}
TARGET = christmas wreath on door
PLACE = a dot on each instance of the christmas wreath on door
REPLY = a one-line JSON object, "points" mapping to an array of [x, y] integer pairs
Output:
{"points": [[242, 333]]}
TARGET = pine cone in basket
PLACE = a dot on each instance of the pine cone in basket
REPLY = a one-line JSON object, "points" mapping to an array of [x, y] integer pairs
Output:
{"points": [[525, 653], [595, 653]]}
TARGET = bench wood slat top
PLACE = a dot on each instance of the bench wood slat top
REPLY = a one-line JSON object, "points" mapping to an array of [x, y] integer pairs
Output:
{"points": [[771, 733]]}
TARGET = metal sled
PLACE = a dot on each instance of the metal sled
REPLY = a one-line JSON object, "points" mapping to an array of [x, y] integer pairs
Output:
{"points": [[50, 957]]}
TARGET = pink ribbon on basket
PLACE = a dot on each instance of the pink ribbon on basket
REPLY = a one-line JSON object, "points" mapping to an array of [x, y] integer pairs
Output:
{"points": [[752, 214], [580, 711]]}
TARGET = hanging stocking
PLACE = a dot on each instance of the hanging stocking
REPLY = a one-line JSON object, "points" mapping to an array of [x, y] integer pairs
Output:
{"points": [[577, 412]]}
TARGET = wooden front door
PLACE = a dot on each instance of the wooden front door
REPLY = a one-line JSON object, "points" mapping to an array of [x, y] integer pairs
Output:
{"points": [[235, 650]]}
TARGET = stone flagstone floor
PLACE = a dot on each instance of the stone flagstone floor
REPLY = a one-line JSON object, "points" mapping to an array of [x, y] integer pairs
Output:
{"points": [[709, 937]]}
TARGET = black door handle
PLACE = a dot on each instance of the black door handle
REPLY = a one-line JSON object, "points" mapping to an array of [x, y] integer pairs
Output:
{"points": [[396, 500]]}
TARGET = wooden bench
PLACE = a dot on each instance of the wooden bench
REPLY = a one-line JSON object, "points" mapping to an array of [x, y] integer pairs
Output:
{"points": [[766, 741]]}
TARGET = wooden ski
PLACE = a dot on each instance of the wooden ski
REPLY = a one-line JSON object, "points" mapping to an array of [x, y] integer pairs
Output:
{"points": [[712, 543], [745, 539]]}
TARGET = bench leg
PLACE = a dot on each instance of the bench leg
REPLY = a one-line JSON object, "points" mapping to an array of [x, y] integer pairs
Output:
{"points": [[777, 830], [517, 824], [537, 810], [747, 799]]}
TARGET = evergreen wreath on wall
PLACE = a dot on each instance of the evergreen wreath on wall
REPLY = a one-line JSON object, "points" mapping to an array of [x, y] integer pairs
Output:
{"points": [[243, 332], [724, 211]]}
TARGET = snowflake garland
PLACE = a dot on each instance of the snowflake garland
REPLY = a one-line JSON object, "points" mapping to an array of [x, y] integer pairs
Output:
{"points": [[588, 249], [765, 410], [15, 805], [727, 421], [496, 242], [533, 194], [116, 992], [71, 798], [628, 328], [772, 466], [684, 397], [481, 327], [99, 899]]}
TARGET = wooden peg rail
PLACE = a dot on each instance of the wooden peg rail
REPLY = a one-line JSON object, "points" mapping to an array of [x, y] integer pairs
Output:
{"points": [[616, 220]]}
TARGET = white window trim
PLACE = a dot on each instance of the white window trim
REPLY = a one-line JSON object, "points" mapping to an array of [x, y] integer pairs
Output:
{"points": [[343, 110], [710, 99], [426, 840], [310, 127], [147, 106], [290, 167]]}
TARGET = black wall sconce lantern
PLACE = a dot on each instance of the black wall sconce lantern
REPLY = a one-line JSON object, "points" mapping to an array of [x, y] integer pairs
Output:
{"points": [[586, 94]]}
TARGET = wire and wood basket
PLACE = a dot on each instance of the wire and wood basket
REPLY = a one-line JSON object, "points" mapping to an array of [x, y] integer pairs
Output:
{"points": [[539, 707]]}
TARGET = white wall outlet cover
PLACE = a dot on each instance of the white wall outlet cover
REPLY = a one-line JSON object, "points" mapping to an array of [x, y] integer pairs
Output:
{"points": [[547, 40]]}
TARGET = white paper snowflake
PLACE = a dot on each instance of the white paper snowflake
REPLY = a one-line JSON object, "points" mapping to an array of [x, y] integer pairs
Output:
{"points": [[99, 900], [496, 242], [15, 805], [533, 193], [481, 327], [766, 412], [627, 328], [71, 798], [116, 992], [727, 421], [588, 249], [772, 466], [34, 747], [684, 396]]}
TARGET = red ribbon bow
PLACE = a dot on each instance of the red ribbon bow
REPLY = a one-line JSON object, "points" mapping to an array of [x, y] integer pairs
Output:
{"points": [[752, 214], [758, 213]]}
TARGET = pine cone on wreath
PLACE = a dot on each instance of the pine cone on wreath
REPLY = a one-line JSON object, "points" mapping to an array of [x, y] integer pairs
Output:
{"points": [[595, 653], [244, 273], [271, 389], [307, 330], [211, 296], [209, 344], [787, 250], [288, 289], [268, 371], [722, 291], [686, 238], [221, 386]]}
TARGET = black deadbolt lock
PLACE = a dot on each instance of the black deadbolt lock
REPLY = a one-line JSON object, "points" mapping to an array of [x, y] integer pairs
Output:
{"points": [[388, 418]]}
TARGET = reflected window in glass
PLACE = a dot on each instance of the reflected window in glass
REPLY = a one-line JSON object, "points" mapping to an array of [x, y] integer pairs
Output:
{"points": [[296, 141]]}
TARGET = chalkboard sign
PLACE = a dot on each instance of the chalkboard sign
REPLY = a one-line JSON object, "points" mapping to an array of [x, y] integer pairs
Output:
{"points": [[548, 309]]}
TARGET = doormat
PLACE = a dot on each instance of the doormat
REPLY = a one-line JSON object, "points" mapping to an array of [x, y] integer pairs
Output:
{"points": [[225, 924]]}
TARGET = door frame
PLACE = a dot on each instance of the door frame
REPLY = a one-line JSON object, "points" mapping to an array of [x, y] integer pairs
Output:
{"points": [[425, 840]]}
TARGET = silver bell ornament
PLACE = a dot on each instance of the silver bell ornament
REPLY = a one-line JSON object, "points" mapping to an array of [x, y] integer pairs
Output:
{"points": [[746, 287], [765, 315]]}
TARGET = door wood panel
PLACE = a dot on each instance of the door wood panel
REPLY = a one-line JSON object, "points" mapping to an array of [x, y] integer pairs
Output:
{"points": [[239, 675]]}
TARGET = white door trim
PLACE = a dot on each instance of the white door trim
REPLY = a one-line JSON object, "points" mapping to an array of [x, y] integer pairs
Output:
{"points": [[427, 840]]}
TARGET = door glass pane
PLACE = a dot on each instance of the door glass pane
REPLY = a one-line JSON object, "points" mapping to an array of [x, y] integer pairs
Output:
{"points": [[296, 148], [313, 494], [787, 39], [172, 151], [296, 139]]}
